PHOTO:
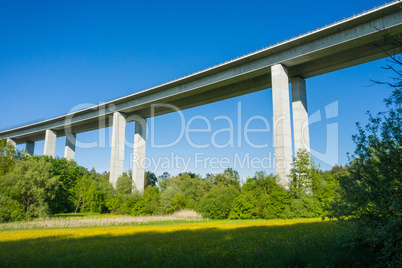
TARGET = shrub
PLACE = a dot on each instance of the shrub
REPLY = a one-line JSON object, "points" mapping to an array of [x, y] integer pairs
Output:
{"points": [[218, 202], [278, 201], [11, 210], [245, 207]]}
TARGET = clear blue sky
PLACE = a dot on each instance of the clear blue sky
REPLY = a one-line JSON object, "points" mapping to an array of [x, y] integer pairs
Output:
{"points": [[55, 55]]}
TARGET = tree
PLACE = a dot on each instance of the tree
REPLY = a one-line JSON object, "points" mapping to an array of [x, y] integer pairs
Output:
{"points": [[163, 181], [91, 195], [8, 157], [124, 184], [179, 188], [31, 184], [229, 177], [68, 172], [370, 194], [302, 174], [150, 179]]}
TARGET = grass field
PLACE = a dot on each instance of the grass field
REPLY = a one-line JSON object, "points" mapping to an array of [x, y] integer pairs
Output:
{"points": [[187, 243]]}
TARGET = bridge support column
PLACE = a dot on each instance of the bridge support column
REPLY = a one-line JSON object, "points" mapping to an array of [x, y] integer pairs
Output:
{"points": [[12, 141], [50, 142], [139, 153], [30, 147], [300, 115], [282, 129], [69, 149], [117, 147]]}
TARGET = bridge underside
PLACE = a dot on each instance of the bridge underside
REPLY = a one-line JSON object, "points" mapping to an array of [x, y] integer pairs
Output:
{"points": [[358, 40]]}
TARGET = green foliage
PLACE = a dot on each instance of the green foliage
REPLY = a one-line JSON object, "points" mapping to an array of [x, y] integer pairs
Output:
{"points": [[150, 179], [32, 185], [124, 184], [229, 177], [8, 157], [10, 209], [218, 202], [245, 207], [163, 181], [302, 174], [129, 205], [68, 172], [136, 204], [308, 207], [151, 197], [325, 186], [178, 202], [370, 193], [188, 189], [90, 194], [278, 201], [114, 203]]}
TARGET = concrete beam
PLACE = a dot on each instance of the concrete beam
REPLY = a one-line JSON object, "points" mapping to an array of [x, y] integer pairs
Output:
{"points": [[50, 142], [30, 148], [343, 44], [282, 130], [300, 115], [69, 150], [117, 147], [139, 153]]}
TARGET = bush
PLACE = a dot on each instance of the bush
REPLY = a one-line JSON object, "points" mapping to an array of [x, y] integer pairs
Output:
{"points": [[11, 210], [114, 203], [308, 207], [278, 201], [218, 202], [245, 207]]}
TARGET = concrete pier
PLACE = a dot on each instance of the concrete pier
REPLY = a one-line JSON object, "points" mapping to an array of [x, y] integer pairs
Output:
{"points": [[69, 150], [282, 129], [139, 153], [117, 147], [30, 148], [300, 115], [50, 142]]}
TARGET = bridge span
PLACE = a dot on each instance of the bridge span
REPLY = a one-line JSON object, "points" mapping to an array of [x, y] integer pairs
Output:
{"points": [[352, 41]]}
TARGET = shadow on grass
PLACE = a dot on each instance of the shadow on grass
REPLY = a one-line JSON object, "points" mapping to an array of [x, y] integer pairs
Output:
{"points": [[298, 245]]}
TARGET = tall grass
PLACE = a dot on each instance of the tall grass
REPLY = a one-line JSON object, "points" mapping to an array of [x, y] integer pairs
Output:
{"points": [[99, 220]]}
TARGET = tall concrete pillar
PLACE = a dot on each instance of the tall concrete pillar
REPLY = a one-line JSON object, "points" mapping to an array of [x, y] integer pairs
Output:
{"points": [[300, 115], [139, 153], [282, 129], [69, 149], [117, 147], [12, 141], [50, 142], [30, 148]]}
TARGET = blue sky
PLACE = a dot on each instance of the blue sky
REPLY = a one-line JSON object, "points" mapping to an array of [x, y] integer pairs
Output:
{"points": [[55, 55]]}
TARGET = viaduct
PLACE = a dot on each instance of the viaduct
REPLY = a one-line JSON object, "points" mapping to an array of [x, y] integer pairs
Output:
{"points": [[352, 41]]}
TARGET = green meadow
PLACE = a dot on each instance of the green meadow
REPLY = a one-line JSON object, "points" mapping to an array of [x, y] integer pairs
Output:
{"points": [[201, 243]]}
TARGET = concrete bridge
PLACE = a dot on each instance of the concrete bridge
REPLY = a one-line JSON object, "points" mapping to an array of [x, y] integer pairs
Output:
{"points": [[346, 43]]}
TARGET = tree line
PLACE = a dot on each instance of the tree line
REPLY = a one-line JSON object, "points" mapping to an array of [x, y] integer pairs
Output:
{"points": [[41, 186]]}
